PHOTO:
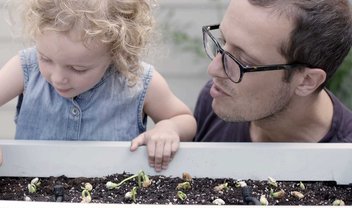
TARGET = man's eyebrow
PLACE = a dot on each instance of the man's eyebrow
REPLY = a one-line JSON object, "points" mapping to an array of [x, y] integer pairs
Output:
{"points": [[239, 49], [232, 45]]}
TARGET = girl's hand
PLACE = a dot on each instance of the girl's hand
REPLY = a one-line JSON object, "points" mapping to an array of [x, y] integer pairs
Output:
{"points": [[162, 143]]}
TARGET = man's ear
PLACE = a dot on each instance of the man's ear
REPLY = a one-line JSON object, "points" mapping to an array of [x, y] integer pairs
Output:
{"points": [[311, 79]]}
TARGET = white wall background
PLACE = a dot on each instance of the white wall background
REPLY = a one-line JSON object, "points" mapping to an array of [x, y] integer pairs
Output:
{"points": [[179, 56]]}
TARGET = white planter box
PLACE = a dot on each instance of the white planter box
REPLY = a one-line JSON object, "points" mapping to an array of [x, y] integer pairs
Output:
{"points": [[257, 161]]}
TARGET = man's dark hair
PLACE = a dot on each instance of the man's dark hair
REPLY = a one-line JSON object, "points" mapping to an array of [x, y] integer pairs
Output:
{"points": [[322, 33]]}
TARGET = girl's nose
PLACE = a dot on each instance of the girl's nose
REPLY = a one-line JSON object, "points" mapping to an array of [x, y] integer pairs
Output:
{"points": [[59, 77]]}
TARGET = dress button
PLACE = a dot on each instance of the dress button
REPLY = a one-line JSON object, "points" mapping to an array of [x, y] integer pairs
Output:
{"points": [[75, 111]]}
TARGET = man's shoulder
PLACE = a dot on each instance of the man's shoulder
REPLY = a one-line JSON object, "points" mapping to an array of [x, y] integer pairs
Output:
{"points": [[214, 129], [342, 121], [204, 94], [203, 104]]}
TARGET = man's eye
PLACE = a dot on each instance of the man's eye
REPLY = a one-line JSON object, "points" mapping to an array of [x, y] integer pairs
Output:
{"points": [[246, 63], [222, 41]]}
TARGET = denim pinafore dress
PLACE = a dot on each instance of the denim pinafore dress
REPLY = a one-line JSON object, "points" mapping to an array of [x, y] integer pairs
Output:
{"points": [[110, 111]]}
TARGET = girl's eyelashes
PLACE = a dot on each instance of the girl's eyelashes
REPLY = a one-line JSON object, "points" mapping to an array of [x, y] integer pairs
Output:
{"points": [[43, 59], [77, 70], [46, 60]]}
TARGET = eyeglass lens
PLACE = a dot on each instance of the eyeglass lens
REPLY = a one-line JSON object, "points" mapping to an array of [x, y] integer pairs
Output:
{"points": [[231, 68], [210, 47]]}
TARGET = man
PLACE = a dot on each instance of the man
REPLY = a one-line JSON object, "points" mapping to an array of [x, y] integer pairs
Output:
{"points": [[270, 62]]}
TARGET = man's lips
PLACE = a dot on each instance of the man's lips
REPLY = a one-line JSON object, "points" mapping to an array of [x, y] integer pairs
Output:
{"points": [[216, 91]]}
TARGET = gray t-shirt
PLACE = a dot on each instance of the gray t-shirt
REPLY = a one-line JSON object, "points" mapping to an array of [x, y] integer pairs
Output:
{"points": [[213, 129]]}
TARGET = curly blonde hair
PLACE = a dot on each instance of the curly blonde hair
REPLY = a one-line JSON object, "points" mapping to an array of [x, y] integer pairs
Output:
{"points": [[124, 25]]}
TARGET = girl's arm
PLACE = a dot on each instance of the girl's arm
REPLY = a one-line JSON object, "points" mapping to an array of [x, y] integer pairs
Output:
{"points": [[161, 104], [11, 80], [174, 123]]}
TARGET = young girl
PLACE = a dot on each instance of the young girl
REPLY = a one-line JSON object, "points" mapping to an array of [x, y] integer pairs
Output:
{"points": [[84, 79]]}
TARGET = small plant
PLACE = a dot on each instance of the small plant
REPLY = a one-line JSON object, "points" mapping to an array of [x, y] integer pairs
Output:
{"points": [[186, 177], [272, 182], [33, 186], [338, 202], [86, 193], [302, 186], [27, 199], [142, 180], [219, 201], [221, 187], [111, 185], [132, 194], [240, 184], [263, 200], [297, 194], [184, 186], [182, 196], [277, 195]]}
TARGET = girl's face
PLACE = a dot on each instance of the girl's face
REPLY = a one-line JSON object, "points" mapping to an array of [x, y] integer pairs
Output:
{"points": [[68, 65]]}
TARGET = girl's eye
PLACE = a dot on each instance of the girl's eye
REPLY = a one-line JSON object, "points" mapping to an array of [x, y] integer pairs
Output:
{"points": [[77, 70], [42, 59]]}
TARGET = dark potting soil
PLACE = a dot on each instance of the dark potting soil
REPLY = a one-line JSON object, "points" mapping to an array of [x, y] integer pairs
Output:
{"points": [[163, 191]]}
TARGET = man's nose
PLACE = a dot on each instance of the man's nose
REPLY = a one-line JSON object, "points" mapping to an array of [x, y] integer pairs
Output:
{"points": [[216, 68]]}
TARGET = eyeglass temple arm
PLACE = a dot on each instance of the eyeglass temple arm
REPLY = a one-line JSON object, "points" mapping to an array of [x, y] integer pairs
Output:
{"points": [[272, 67]]}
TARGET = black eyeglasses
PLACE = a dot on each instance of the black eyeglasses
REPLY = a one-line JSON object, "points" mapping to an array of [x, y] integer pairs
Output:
{"points": [[233, 68]]}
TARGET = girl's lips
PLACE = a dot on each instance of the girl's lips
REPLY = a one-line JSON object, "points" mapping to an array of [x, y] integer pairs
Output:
{"points": [[63, 90]]}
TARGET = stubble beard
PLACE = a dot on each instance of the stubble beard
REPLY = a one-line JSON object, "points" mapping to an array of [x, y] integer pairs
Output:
{"points": [[274, 110]]}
